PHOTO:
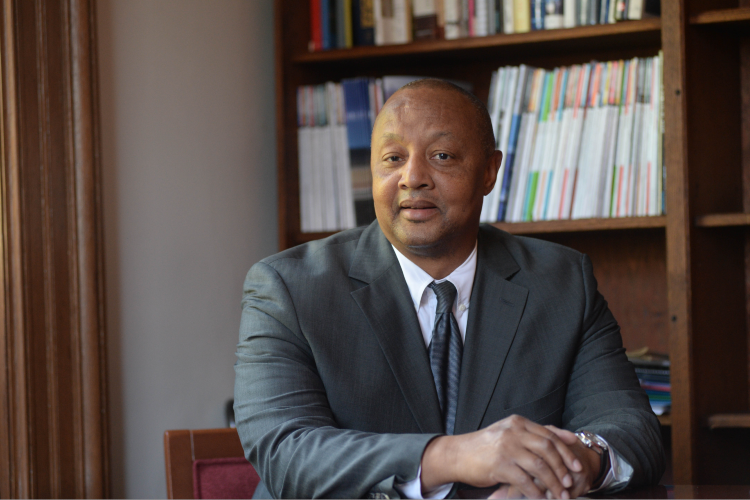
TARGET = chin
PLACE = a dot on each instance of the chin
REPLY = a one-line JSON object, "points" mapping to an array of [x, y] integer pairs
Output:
{"points": [[425, 245]]}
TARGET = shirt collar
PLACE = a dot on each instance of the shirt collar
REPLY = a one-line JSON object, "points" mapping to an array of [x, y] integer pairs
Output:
{"points": [[417, 278]]}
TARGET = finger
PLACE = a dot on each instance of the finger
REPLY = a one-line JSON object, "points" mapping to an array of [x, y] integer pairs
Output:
{"points": [[521, 480], [538, 467], [549, 451], [566, 436], [547, 493], [501, 492], [514, 492], [570, 458]]}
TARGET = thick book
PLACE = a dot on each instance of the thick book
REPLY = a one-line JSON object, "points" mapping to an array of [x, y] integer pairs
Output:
{"points": [[363, 22], [524, 76], [392, 21], [554, 14], [425, 19], [316, 26], [537, 11], [452, 14], [521, 16], [508, 17]]}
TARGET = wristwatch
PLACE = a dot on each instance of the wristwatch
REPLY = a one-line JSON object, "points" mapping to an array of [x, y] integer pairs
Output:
{"points": [[591, 440]]}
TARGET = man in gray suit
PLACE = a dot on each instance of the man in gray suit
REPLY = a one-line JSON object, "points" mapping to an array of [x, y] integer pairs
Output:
{"points": [[356, 376]]}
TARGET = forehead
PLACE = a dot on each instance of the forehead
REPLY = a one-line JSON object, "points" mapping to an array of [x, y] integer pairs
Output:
{"points": [[426, 106]]}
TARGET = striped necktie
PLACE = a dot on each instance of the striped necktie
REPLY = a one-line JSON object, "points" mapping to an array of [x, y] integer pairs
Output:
{"points": [[446, 350]]}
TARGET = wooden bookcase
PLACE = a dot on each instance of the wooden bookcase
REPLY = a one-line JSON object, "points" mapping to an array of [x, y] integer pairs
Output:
{"points": [[677, 283]]}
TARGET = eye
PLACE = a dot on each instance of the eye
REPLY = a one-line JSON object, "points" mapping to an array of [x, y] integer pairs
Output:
{"points": [[392, 158], [442, 156]]}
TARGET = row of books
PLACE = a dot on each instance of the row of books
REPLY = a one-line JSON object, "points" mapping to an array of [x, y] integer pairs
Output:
{"points": [[335, 123], [582, 141], [652, 371], [347, 23]]}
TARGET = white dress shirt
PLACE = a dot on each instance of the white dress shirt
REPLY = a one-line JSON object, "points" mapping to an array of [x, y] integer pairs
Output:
{"points": [[425, 304]]}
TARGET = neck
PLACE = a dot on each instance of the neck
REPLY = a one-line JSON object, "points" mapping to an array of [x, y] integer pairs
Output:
{"points": [[441, 265]]}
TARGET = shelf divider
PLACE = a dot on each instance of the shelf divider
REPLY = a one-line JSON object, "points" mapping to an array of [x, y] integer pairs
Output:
{"points": [[739, 16], [729, 421], [723, 220]]}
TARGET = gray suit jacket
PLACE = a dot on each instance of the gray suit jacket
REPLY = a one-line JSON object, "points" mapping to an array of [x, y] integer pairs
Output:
{"points": [[334, 396]]}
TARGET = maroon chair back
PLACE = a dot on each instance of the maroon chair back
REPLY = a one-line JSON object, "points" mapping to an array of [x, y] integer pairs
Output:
{"points": [[207, 463]]}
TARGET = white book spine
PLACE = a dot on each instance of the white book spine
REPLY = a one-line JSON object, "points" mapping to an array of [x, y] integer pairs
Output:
{"points": [[586, 159], [579, 113], [497, 116], [552, 196], [481, 18], [452, 13], [635, 10], [507, 16], [509, 108], [569, 13], [525, 143]]}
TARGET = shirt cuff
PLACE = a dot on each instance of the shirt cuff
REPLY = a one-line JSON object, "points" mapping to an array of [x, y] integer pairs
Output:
{"points": [[619, 474], [413, 488]]}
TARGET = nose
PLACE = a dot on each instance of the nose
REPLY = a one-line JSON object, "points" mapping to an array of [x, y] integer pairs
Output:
{"points": [[416, 174]]}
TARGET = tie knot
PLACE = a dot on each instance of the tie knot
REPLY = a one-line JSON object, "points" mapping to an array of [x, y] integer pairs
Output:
{"points": [[446, 295]]}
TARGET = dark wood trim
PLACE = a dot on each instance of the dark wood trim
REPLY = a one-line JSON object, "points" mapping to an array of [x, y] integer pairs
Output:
{"points": [[53, 344], [678, 241]]}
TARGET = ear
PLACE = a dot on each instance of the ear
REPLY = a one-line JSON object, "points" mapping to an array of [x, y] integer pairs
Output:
{"points": [[490, 172]]}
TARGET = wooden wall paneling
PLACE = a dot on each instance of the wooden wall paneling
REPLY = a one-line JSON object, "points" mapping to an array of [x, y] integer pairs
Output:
{"points": [[53, 330], [292, 23], [684, 425], [745, 138], [630, 268], [14, 463]]}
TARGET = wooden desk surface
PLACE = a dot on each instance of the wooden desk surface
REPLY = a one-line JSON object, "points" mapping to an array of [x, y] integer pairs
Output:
{"points": [[660, 491]]}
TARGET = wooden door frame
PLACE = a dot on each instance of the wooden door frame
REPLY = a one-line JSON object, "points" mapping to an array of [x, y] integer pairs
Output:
{"points": [[53, 390]]}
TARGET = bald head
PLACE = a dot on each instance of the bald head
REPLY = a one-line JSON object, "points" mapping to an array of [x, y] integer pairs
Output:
{"points": [[481, 118]]}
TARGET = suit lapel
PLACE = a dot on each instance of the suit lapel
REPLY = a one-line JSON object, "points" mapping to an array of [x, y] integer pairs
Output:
{"points": [[495, 310], [388, 307]]}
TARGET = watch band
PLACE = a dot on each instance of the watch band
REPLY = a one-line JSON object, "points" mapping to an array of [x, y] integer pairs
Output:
{"points": [[591, 440]]}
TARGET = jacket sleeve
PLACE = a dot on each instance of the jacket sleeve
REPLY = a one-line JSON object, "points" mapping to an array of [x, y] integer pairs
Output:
{"points": [[604, 396], [286, 426]]}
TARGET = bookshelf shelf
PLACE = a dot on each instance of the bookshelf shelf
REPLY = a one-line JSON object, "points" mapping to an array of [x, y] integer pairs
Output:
{"points": [[729, 421], [665, 420], [574, 226], [722, 220], [724, 17], [553, 226], [623, 35]]}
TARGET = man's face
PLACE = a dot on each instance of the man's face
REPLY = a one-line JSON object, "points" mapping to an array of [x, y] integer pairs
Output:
{"points": [[430, 171]]}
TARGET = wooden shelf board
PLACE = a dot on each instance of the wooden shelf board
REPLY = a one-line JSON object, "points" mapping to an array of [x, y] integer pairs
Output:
{"points": [[739, 16], [665, 420], [723, 220], [729, 420], [552, 226], [585, 34], [574, 226]]}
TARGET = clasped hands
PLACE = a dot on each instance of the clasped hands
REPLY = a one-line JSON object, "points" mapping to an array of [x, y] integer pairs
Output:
{"points": [[527, 459]]}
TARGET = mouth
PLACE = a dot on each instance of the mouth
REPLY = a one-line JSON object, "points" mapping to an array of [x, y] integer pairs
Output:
{"points": [[417, 210]]}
